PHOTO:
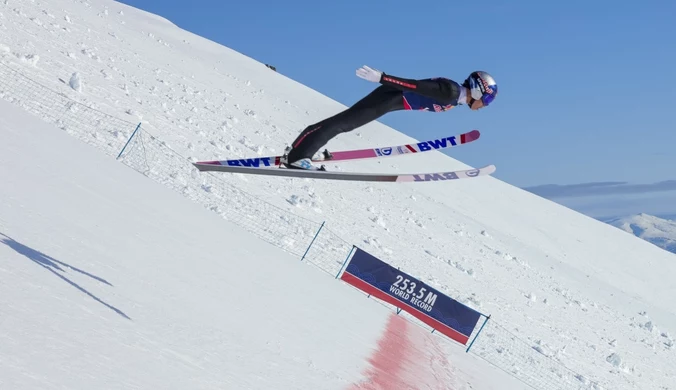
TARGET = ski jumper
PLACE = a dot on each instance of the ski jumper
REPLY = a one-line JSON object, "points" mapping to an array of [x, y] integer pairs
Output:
{"points": [[434, 94]]}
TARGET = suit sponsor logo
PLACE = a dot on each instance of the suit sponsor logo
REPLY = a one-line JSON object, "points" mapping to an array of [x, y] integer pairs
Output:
{"points": [[441, 108]]}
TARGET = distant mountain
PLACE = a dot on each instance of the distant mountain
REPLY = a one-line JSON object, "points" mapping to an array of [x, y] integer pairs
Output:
{"points": [[659, 231], [670, 217]]}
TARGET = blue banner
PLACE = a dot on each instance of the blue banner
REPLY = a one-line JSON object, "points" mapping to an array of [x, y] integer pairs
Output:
{"points": [[400, 289]]}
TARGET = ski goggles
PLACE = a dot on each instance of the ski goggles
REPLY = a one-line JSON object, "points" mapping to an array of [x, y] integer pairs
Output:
{"points": [[487, 99]]}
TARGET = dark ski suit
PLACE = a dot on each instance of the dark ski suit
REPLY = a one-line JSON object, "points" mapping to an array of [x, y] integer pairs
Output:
{"points": [[395, 93]]}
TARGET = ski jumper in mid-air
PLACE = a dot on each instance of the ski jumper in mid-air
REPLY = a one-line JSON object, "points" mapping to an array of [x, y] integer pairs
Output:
{"points": [[395, 93]]}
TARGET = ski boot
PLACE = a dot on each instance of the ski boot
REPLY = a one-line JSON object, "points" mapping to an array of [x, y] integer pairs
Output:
{"points": [[303, 163]]}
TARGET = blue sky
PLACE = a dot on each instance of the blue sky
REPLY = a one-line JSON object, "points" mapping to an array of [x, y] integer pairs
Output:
{"points": [[585, 86]]}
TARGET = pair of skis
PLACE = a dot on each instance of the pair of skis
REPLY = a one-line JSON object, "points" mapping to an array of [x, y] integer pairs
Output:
{"points": [[271, 165]]}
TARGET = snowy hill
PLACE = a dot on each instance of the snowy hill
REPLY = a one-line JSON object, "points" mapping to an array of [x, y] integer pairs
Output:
{"points": [[184, 267], [658, 231], [110, 280]]}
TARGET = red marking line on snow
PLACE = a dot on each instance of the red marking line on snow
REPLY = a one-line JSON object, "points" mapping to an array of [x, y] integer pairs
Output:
{"points": [[398, 363]]}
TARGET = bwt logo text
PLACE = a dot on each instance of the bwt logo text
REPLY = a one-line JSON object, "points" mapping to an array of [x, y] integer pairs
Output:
{"points": [[251, 162], [436, 144], [436, 176]]}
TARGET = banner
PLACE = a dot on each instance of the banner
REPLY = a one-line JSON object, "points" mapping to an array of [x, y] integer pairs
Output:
{"points": [[427, 304]]}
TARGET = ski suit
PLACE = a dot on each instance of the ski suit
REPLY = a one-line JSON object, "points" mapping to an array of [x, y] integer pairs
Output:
{"points": [[395, 93]]}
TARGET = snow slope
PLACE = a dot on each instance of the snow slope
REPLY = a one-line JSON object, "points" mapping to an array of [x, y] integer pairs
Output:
{"points": [[658, 231], [576, 289], [110, 280]]}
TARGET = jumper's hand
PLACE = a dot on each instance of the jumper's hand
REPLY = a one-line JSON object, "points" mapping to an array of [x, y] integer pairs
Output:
{"points": [[369, 74]]}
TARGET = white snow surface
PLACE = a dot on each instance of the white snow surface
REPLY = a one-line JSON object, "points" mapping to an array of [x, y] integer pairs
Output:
{"points": [[112, 281], [211, 306], [656, 230]]}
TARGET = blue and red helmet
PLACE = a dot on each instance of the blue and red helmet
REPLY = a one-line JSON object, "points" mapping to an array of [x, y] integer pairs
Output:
{"points": [[482, 87]]}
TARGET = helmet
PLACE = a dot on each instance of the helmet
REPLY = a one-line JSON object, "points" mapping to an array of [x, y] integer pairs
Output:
{"points": [[482, 86]]}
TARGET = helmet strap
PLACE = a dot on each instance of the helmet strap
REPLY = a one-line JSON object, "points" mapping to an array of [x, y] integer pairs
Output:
{"points": [[474, 90]]}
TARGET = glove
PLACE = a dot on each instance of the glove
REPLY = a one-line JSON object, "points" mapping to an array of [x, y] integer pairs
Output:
{"points": [[369, 74]]}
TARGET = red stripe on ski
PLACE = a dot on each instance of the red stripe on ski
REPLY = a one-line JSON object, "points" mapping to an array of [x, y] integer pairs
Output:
{"points": [[409, 147], [472, 136]]}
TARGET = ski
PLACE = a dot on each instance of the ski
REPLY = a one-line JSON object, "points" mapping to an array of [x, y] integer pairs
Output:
{"points": [[359, 154], [353, 176]]}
